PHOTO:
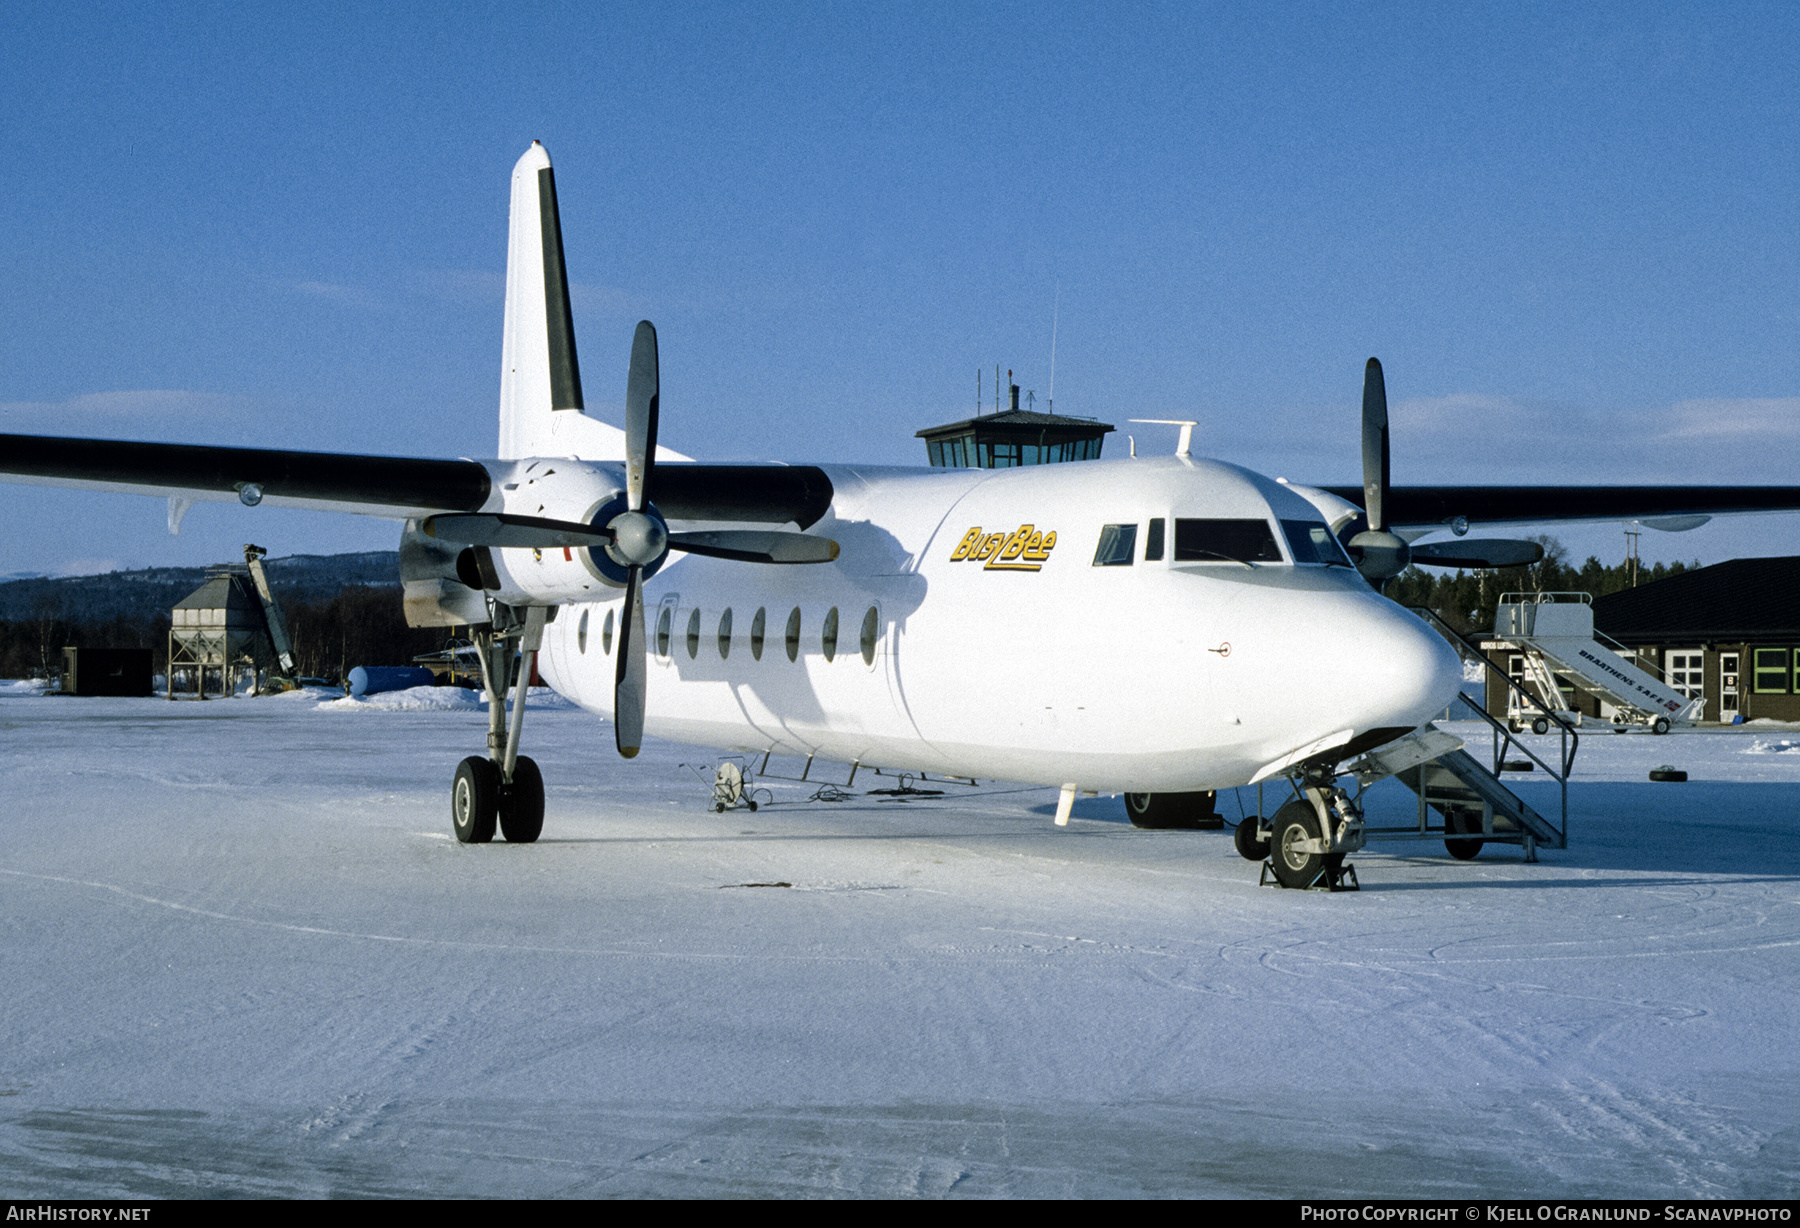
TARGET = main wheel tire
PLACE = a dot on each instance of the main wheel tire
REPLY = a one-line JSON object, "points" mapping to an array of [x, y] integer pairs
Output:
{"points": [[1248, 846], [475, 800], [1161, 811], [1541, 725], [1660, 725], [1457, 821], [1292, 824], [522, 803]]}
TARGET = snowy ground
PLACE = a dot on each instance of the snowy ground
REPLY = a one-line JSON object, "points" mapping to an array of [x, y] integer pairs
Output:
{"points": [[242, 954]]}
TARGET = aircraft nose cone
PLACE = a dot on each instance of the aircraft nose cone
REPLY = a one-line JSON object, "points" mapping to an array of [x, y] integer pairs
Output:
{"points": [[1404, 673]]}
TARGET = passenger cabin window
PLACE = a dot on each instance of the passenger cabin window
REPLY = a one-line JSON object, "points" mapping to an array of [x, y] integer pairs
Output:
{"points": [[1153, 541], [693, 635], [828, 634], [871, 627], [1225, 541], [581, 633], [1118, 542], [662, 632], [1310, 541], [756, 632], [606, 634], [725, 634], [793, 635]]}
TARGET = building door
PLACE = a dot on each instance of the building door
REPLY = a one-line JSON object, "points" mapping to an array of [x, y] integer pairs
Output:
{"points": [[1728, 685], [1685, 670]]}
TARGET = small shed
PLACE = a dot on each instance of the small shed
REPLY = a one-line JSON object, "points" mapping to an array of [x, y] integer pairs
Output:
{"points": [[215, 630], [106, 671]]}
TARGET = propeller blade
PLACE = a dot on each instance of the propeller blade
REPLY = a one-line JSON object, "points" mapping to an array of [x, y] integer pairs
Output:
{"points": [[1477, 555], [1375, 446], [628, 680], [516, 532], [642, 392], [750, 546]]}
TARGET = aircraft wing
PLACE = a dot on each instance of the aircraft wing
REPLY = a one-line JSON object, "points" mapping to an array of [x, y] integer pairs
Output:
{"points": [[392, 487], [1432, 507]]}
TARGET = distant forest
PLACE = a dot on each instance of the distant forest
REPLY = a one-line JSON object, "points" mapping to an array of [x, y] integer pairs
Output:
{"points": [[1467, 599], [341, 610]]}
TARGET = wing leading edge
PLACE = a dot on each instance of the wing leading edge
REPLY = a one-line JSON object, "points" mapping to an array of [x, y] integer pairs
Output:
{"points": [[1431, 507]]}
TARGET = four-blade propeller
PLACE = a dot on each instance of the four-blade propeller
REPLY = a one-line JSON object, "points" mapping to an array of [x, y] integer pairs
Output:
{"points": [[1379, 553], [635, 539]]}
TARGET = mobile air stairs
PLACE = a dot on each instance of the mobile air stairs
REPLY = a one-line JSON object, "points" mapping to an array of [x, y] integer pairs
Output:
{"points": [[1471, 803], [1555, 632]]}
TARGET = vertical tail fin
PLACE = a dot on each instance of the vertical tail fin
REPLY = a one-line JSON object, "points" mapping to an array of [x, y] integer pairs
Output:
{"points": [[540, 375]]}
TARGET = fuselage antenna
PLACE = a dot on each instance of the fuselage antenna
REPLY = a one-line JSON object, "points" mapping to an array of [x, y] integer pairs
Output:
{"points": [[1056, 306]]}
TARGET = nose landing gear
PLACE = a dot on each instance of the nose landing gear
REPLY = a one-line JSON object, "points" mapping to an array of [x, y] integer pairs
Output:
{"points": [[1306, 840], [504, 789]]}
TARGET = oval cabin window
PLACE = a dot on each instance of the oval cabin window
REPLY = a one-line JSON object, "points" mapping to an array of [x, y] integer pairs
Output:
{"points": [[793, 635], [606, 634], [693, 635], [871, 627], [581, 633], [828, 634], [756, 632], [725, 634], [662, 632]]}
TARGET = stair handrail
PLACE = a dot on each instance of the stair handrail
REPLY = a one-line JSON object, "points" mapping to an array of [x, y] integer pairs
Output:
{"points": [[1546, 598], [1570, 737], [1503, 737]]}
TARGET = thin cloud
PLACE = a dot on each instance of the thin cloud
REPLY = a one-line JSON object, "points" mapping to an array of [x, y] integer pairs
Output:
{"points": [[333, 292], [133, 404]]}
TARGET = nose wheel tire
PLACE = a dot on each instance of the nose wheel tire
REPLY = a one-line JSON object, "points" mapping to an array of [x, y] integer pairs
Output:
{"points": [[475, 800], [1294, 824], [522, 804], [1248, 846]]}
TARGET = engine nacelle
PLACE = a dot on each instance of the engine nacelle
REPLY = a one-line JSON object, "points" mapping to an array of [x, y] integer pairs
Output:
{"points": [[448, 583]]}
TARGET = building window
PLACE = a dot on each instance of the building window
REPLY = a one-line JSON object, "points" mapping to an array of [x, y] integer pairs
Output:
{"points": [[1118, 542], [1772, 670], [1686, 672]]}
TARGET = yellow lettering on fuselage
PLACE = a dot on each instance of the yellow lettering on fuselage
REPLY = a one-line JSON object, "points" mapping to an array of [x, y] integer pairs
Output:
{"points": [[1024, 549]]}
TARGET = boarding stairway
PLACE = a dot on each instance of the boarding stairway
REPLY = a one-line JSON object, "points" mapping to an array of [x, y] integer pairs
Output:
{"points": [[1555, 631], [1471, 804]]}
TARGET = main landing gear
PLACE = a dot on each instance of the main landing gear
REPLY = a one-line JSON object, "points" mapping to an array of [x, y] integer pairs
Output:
{"points": [[504, 790], [1306, 840]]}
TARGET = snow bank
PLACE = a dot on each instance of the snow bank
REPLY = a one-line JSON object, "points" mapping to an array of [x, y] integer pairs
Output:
{"points": [[23, 686], [1774, 746], [437, 699]]}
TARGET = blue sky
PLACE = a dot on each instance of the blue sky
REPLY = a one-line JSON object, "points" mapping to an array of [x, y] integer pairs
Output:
{"points": [[1569, 235]]}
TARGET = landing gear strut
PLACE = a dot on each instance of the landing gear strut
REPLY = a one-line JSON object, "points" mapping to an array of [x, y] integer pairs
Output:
{"points": [[503, 789]]}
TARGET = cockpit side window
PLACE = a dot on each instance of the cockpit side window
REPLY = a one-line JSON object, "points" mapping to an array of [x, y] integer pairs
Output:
{"points": [[1118, 543], [1225, 541], [1310, 541]]}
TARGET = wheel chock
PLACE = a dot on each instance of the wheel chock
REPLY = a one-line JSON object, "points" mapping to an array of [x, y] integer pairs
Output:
{"points": [[1343, 879]]}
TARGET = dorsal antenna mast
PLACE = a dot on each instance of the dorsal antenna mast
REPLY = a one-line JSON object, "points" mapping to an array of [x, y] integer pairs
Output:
{"points": [[1050, 405]]}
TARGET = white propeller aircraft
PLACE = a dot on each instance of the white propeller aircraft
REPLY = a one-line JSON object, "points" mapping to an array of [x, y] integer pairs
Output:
{"points": [[1163, 628]]}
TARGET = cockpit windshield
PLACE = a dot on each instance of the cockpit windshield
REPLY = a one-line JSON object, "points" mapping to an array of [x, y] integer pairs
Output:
{"points": [[1310, 541]]}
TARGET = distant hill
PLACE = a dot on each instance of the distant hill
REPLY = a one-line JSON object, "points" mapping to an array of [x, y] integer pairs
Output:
{"points": [[140, 595]]}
